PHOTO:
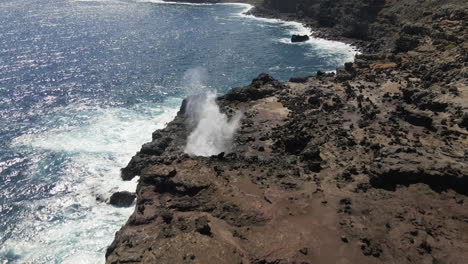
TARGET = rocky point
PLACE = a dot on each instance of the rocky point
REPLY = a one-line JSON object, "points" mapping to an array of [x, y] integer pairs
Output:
{"points": [[368, 165]]}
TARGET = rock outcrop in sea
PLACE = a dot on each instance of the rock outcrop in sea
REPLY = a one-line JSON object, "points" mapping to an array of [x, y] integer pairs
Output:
{"points": [[368, 165], [299, 38]]}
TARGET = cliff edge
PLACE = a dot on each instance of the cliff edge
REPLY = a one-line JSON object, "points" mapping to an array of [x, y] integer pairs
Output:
{"points": [[368, 165]]}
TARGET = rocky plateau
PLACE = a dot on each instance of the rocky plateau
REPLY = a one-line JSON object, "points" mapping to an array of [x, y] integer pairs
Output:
{"points": [[365, 165]]}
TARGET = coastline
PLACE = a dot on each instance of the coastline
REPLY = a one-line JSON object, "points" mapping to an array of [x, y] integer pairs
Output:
{"points": [[336, 167], [318, 36], [253, 9]]}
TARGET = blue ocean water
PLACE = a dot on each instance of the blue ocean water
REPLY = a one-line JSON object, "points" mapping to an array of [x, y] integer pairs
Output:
{"points": [[84, 83]]}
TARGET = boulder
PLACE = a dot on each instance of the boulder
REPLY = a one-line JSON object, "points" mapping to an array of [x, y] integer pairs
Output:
{"points": [[346, 72], [258, 89], [122, 199], [299, 38]]}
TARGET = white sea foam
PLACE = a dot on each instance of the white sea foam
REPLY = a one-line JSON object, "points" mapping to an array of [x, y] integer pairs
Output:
{"points": [[173, 3], [102, 1], [213, 130], [321, 46], [72, 226], [343, 52]]}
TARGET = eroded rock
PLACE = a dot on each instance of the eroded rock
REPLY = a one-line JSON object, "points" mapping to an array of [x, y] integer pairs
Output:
{"points": [[122, 199]]}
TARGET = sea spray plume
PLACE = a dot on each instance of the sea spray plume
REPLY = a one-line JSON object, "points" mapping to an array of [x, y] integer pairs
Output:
{"points": [[194, 80], [214, 130], [194, 83]]}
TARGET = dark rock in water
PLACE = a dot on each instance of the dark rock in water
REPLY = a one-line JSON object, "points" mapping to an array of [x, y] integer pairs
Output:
{"points": [[299, 38], [122, 199]]}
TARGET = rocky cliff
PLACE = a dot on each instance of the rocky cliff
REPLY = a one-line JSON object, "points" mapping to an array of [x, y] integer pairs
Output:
{"points": [[374, 25], [368, 165]]}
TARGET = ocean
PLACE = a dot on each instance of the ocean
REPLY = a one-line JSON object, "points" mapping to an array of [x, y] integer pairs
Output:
{"points": [[84, 83]]}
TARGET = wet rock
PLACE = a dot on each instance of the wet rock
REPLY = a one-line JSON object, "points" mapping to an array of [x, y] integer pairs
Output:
{"points": [[299, 38], [122, 199]]}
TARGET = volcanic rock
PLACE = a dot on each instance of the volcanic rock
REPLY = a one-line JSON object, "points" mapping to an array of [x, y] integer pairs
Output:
{"points": [[122, 199], [370, 161], [299, 38]]}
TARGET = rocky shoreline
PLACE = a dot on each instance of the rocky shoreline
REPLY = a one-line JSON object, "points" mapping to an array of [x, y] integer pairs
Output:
{"points": [[368, 165]]}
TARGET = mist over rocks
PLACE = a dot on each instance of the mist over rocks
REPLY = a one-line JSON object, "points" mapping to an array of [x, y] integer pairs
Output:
{"points": [[214, 131], [368, 165]]}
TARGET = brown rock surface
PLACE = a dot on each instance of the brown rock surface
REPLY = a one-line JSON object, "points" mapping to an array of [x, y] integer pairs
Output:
{"points": [[371, 168]]}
